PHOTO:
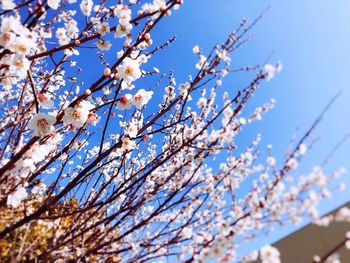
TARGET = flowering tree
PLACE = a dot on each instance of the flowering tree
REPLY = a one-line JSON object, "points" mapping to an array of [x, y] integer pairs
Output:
{"points": [[103, 172]]}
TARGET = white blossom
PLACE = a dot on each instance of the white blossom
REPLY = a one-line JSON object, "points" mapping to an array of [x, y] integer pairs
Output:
{"points": [[128, 144], [269, 254], [292, 163], [125, 102], [269, 71], [7, 4], [103, 29], [196, 49], [14, 199], [271, 161], [122, 30], [86, 7], [202, 63], [45, 102], [141, 98], [77, 115], [104, 45], [42, 124], [53, 3], [129, 70]]}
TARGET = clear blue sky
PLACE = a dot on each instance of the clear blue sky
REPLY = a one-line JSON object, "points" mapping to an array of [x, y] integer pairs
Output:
{"points": [[311, 38]]}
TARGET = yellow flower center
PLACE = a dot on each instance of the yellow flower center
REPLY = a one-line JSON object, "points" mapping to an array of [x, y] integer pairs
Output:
{"points": [[129, 70], [19, 63], [42, 123], [138, 98], [76, 115], [22, 48]]}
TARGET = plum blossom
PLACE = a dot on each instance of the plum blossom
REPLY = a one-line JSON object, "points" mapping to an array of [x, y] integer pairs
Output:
{"points": [[6, 39], [252, 256], [271, 161], [123, 12], [72, 28], [86, 7], [126, 85], [128, 144], [216, 252], [334, 258], [155, 155], [347, 244], [22, 46], [18, 65], [202, 63], [302, 149], [45, 102], [104, 45], [187, 232], [343, 215], [25, 166], [61, 35], [103, 29], [77, 115], [292, 163], [14, 199], [125, 102], [156, 5], [92, 118], [132, 130], [141, 98], [54, 4], [270, 70], [225, 56], [122, 30], [42, 124], [124, 27], [142, 59], [129, 70], [7, 4], [196, 50], [269, 254]]}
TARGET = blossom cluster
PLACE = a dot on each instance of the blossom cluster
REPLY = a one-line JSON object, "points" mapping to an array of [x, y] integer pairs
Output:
{"points": [[16, 42], [109, 167]]}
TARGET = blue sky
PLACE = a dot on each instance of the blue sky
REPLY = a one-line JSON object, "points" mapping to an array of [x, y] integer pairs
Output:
{"points": [[311, 38]]}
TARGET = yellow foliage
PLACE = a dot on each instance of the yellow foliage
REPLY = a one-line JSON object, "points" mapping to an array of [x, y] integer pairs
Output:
{"points": [[38, 236]]}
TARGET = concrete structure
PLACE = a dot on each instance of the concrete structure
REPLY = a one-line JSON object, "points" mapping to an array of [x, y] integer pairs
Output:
{"points": [[301, 246], [312, 240]]}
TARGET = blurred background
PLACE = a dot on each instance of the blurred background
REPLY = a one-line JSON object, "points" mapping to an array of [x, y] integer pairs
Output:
{"points": [[312, 40]]}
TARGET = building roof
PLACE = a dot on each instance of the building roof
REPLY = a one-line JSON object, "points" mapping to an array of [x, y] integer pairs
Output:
{"points": [[302, 245]]}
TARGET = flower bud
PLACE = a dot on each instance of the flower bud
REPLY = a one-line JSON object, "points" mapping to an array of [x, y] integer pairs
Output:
{"points": [[107, 71]]}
